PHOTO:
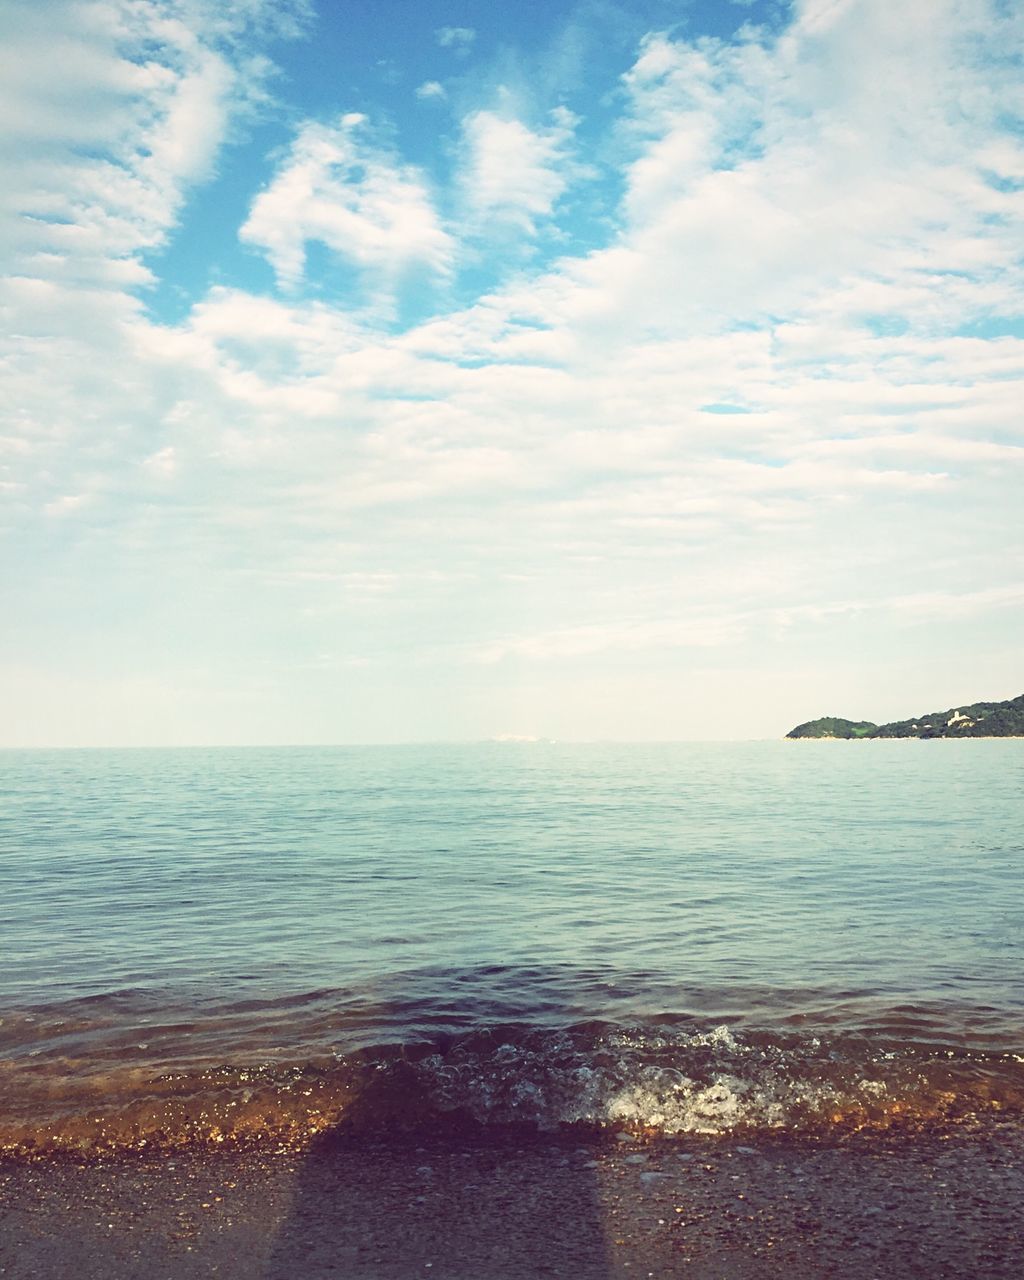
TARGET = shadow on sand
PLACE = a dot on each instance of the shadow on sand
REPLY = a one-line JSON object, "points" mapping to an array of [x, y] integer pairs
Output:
{"points": [[395, 1192]]}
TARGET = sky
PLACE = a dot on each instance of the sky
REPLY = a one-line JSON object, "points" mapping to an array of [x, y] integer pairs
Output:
{"points": [[428, 370]]}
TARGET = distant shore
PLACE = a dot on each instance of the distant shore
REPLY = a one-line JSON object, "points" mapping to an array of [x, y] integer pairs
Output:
{"points": [[513, 1209], [976, 720], [995, 737]]}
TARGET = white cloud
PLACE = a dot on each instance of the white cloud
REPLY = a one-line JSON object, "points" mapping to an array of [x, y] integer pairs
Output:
{"points": [[99, 158], [67, 504], [514, 174], [431, 89], [458, 39], [767, 178], [335, 188], [761, 422]]}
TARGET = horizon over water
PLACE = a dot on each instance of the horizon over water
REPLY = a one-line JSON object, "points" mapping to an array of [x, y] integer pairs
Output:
{"points": [[253, 943]]}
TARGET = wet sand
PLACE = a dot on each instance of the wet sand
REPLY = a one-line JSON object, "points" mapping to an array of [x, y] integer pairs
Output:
{"points": [[512, 1208]]}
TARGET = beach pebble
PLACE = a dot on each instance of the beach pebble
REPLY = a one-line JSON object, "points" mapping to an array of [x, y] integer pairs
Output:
{"points": [[635, 1159]]}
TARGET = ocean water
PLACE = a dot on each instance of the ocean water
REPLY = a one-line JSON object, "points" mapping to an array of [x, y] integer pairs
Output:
{"points": [[260, 945]]}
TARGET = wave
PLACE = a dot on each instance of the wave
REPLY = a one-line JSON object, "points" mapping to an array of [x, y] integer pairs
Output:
{"points": [[665, 1080]]}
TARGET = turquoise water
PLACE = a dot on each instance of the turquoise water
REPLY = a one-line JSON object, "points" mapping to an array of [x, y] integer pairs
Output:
{"points": [[296, 910]]}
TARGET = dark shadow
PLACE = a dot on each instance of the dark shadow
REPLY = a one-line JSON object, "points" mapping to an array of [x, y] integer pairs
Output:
{"points": [[396, 1191]]}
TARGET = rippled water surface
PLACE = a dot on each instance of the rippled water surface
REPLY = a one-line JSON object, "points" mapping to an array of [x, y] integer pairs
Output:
{"points": [[695, 936]]}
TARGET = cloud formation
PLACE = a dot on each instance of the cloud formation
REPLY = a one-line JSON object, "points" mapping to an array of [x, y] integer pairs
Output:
{"points": [[337, 189], [749, 414], [431, 89], [458, 39], [514, 174], [100, 157]]}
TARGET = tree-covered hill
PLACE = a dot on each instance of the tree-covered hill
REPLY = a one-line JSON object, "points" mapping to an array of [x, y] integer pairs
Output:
{"points": [[979, 720], [833, 727]]}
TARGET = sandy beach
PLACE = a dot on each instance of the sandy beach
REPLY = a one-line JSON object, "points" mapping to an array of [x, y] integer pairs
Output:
{"points": [[486, 1209]]}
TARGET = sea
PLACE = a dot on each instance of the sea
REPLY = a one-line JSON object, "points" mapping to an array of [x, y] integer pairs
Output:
{"points": [[263, 945]]}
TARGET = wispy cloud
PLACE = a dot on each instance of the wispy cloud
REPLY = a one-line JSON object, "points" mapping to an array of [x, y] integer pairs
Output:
{"points": [[335, 187], [431, 89], [99, 157], [515, 174], [531, 485], [458, 39]]}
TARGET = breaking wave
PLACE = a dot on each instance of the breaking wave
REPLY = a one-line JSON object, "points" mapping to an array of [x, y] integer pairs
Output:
{"points": [[665, 1080]]}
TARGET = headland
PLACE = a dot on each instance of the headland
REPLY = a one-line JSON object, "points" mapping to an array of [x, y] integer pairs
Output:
{"points": [[978, 720]]}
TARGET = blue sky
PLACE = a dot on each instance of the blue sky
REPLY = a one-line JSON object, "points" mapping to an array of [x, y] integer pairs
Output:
{"points": [[416, 72], [417, 371]]}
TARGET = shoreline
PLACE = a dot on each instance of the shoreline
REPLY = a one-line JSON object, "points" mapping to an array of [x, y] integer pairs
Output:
{"points": [[913, 737], [505, 1207]]}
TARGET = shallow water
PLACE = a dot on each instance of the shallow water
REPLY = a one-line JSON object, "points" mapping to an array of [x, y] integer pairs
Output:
{"points": [[679, 937]]}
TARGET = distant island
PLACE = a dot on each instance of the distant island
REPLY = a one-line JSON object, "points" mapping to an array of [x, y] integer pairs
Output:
{"points": [[979, 720]]}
